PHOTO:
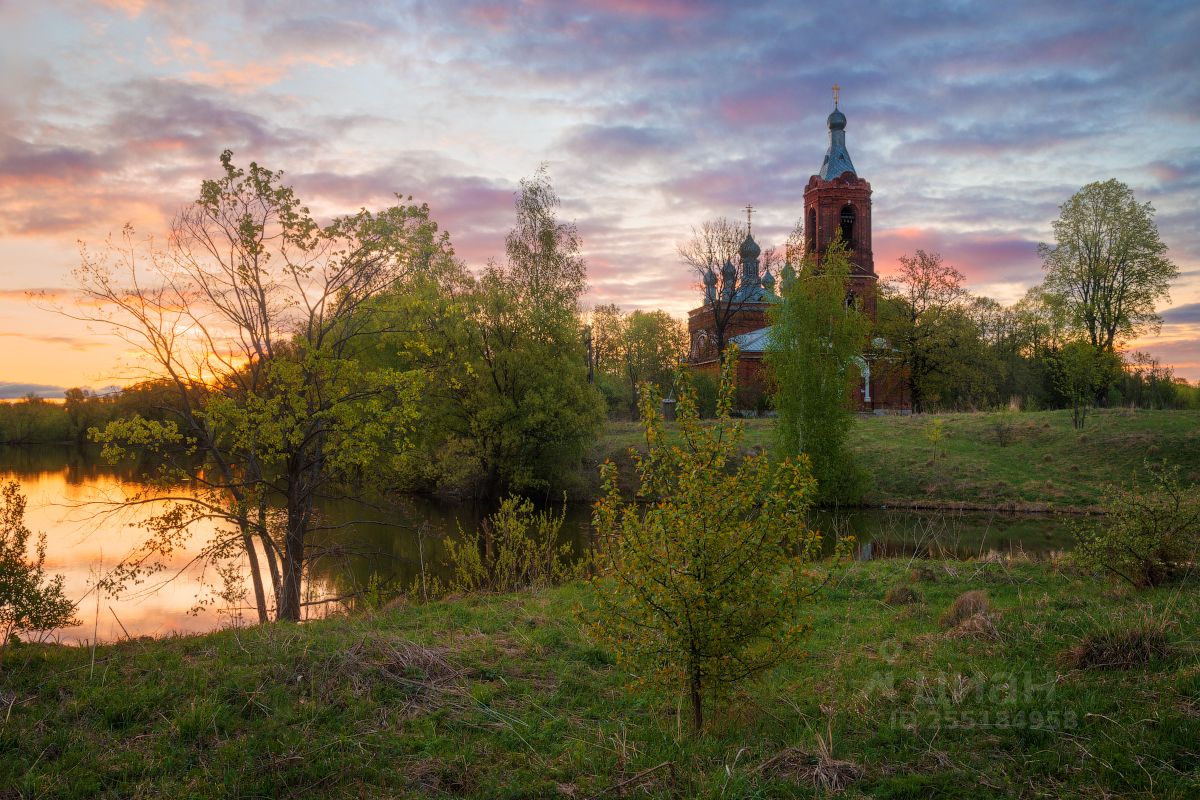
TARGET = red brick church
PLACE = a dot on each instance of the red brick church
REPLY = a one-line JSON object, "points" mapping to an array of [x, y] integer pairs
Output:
{"points": [[836, 202]]}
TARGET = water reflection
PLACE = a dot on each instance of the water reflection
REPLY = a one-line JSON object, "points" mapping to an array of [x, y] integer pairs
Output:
{"points": [[66, 488]]}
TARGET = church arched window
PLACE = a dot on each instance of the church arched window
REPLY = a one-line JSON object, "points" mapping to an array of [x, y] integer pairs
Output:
{"points": [[848, 225], [812, 230]]}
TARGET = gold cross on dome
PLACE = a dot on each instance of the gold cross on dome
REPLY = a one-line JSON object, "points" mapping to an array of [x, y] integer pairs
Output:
{"points": [[837, 91], [749, 210]]}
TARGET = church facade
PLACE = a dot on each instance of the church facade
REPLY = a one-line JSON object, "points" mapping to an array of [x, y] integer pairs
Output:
{"points": [[837, 204]]}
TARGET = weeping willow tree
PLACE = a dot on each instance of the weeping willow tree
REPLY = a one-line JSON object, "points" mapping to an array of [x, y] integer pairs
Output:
{"points": [[814, 355]]}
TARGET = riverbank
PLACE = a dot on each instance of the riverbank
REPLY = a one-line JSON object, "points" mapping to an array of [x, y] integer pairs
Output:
{"points": [[1021, 462], [502, 697]]}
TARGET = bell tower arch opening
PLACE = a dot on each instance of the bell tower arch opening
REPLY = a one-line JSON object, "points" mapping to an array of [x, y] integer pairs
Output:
{"points": [[847, 225]]}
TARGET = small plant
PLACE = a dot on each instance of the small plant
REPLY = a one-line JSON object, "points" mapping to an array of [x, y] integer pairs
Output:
{"points": [[1004, 427], [1150, 532], [935, 432], [517, 547], [28, 601], [702, 575], [1118, 647]]}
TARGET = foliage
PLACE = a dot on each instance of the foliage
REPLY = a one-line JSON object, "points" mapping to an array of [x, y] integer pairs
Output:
{"points": [[517, 547], [631, 349], [1150, 533], [814, 352], [249, 317], [507, 405], [28, 600], [1108, 263], [1080, 372], [702, 574], [920, 318]]}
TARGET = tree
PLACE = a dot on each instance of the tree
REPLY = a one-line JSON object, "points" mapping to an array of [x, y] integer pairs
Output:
{"points": [[1080, 372], [711, 254], [1108, 263], [654, 343], [916, 318], [28, 601], [816, 343], [702, 574], [250, 317], [507, 404]]}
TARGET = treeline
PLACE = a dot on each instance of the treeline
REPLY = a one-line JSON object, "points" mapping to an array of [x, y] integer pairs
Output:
{"points": [[968, 353], [35, 420]]}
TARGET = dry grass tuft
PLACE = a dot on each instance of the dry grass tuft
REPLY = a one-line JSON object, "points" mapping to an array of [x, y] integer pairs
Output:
{"points": [[976, 626], [425, 674], [901, 596], [965, 606], [818, 770], [1118, 648]]}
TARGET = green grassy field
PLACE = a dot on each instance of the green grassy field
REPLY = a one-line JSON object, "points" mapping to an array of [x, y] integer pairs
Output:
{"points": [[1027, 461], [502, 697]]}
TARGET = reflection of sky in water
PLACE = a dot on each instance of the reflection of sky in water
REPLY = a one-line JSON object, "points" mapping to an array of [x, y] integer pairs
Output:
{"points": [[67, 491]]}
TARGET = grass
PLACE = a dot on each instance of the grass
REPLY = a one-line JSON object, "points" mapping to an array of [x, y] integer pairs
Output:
{"points": [[501, 697], [1022, 462]]}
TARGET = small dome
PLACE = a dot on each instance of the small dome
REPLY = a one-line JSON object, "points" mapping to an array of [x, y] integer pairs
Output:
{"points": [[749, 249], [728, 270], [837, 121], [768, 281], [710, 278]]}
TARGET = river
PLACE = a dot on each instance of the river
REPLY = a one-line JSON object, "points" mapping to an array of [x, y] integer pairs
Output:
{"points": [[69, 491]]}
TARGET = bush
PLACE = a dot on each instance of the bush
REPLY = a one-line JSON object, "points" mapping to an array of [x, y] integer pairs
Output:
{"points": [[515, 548], [704, 573], [28, 602], [1150, 532]]}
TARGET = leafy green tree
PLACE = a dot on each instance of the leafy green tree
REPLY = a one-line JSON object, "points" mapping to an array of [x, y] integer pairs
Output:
{"points": [[918, 318], [1081, 372], [814, 355], [701, 576], [28, 601], [507, 405], [250, 318], [1108, 263]]}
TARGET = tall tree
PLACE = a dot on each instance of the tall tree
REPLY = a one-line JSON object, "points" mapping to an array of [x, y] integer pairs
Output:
{"points": [[1108, 263], [507, 403], [654, 342], [917, 318], [814, 351], [249, 317], [712, 257]]}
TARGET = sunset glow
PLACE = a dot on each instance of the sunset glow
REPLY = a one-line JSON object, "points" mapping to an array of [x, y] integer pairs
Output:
{"points": [[972, 122]]}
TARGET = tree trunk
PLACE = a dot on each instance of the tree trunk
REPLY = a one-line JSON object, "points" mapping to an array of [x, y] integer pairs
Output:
{"points": [[697, 701], [260, 598], [293, 561]]}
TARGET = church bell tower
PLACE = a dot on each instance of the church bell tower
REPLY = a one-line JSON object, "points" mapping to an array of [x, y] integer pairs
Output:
{"points": [[837, 203]]}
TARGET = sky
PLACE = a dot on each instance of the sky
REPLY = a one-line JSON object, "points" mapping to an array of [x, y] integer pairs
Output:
{"points": [[972, 121]]}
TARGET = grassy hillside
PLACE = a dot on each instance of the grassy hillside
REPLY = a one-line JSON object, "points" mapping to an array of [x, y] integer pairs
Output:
{"points": [[501, 697], [996, 460]]}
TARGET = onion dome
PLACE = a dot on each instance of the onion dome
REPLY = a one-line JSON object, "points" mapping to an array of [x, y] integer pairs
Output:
{"points": [[837, 120], [768, 281], [837, 158], [749, 250], [728, 272]]}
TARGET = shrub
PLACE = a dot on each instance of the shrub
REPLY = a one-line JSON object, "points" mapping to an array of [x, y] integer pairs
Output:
{"points": [[515, 548], [1150, 532], [702, 575], [28, 601]]}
